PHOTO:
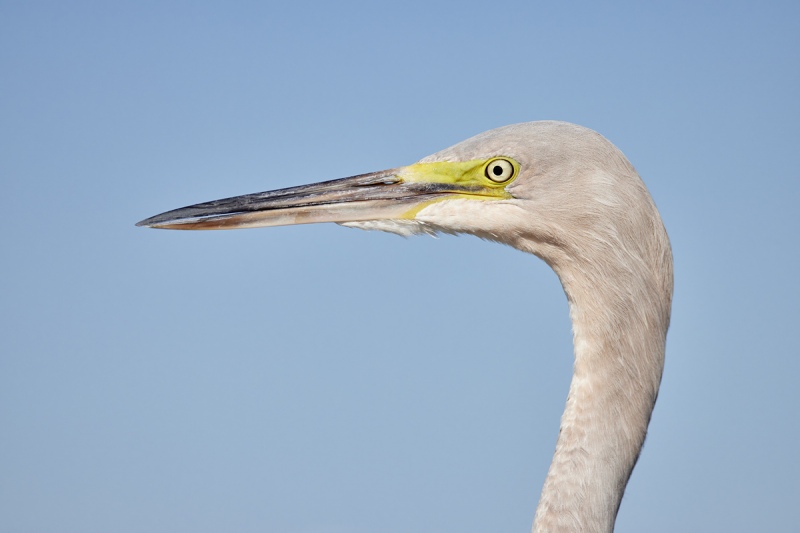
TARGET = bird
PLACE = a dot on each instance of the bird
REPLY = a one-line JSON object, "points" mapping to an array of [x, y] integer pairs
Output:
{"points": [[561, 192]]}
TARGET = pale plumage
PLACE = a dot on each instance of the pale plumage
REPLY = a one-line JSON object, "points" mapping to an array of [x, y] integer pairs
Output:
{"points": [[567, 195]]}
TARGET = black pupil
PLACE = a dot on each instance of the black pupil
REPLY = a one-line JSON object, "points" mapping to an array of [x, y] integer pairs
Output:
{"points": [[497, 170]]}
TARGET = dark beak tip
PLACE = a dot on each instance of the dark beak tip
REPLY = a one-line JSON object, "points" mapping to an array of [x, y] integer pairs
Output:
{"points": [[152, 222]]}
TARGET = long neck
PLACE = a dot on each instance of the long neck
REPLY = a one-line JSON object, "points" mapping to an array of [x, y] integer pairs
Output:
{"points": [[619, 333]]}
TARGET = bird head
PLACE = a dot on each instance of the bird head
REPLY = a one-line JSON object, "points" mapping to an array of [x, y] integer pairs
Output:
{"points": [[548, 188]]}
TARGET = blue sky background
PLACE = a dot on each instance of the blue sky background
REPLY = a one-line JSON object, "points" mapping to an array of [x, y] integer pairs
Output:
{"points": [[318, 379]]}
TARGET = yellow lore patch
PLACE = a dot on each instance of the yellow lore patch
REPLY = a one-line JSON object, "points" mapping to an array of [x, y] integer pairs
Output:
{"points": [[469, 179]]}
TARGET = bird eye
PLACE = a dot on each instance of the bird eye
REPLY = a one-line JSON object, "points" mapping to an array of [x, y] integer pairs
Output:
{"points": [[499, 170]]}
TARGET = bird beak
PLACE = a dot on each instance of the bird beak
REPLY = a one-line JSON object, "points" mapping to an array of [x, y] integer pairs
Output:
{"points": [[389, 194]]}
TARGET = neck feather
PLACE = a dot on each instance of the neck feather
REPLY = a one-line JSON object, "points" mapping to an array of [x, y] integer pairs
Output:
{"points": [[619, 329]]}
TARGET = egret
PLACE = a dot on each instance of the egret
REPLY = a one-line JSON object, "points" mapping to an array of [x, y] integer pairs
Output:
{"points": [[567, 195]]}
